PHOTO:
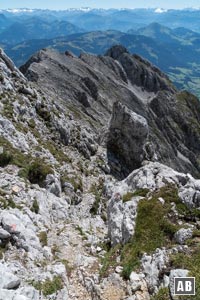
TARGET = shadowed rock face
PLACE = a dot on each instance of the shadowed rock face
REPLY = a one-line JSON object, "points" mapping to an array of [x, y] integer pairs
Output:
{"points": [[139, 71], [91, 85], [128, 133]]}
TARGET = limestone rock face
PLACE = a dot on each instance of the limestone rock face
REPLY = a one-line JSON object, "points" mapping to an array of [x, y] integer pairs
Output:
{"points": [[139, 71], [153, 265], [121, 219], [128, 133]]}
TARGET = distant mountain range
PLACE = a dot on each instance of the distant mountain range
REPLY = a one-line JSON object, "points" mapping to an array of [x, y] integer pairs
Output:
{"points": [[173, 47], [175, 51], [36, 28], [115, 19]]}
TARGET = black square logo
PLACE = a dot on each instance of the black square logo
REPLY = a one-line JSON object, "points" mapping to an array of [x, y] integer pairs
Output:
{"points": [[184, 285]]}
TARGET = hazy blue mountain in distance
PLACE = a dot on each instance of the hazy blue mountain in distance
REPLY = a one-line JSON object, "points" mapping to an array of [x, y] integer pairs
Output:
{"points": [[4, 22], [118, 19], [97, 42], [36, 28], [185, 33], [159, 32]]}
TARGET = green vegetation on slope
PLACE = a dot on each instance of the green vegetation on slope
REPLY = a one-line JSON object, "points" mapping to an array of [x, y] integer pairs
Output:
{"points": [[49, 287], [153, 229]]}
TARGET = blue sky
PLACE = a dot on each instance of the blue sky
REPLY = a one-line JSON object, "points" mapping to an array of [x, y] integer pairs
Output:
{"points": [[63, 4]]}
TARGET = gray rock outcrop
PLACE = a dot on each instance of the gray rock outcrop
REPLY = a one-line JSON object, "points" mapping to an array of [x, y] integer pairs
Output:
{"points": [[152, 176], [182, 235], [127, 136], [121, 219], [153, 266], [8, 280], [176, 273]]}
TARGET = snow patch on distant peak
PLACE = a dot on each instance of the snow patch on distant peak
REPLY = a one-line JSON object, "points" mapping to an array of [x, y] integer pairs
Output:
{"points": [[160, 10], [85, 9], [19, 10]]}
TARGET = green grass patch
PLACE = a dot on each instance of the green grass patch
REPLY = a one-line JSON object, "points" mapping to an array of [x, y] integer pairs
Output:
{"points": [[153, 229], [75, 181], [8, 109], [49, 287], [82, 233], [109, 261], [140, 192], [35, 207], [5, 158], [12, 155], [127, 197], [36, 172], [43, 238], [188, 213], [163, 294], [68, 267], [96, 190], [43, 112], [56, 152], [8, 203], [191, 262]]}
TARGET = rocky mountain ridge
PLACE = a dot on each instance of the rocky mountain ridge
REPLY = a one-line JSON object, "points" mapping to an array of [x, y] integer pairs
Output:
{"points": [[96, 82], [73, 225]]}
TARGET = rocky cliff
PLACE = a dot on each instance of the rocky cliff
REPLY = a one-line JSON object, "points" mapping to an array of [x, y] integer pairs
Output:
{"points": [[95, 83], [98, 196]]}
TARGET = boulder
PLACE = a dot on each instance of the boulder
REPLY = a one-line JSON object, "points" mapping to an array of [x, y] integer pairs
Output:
{"points": [[152, 266], [8, 281], [129, 218], [182, 235], [121, 218], [64, 131], [190, 195], [11, 223], [22, 230], [29, 292], [11, 295], [53, 185], [4, 235]]}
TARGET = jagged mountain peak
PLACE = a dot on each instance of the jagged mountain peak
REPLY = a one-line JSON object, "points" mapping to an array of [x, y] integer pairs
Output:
{"points": [[116, 51]]}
